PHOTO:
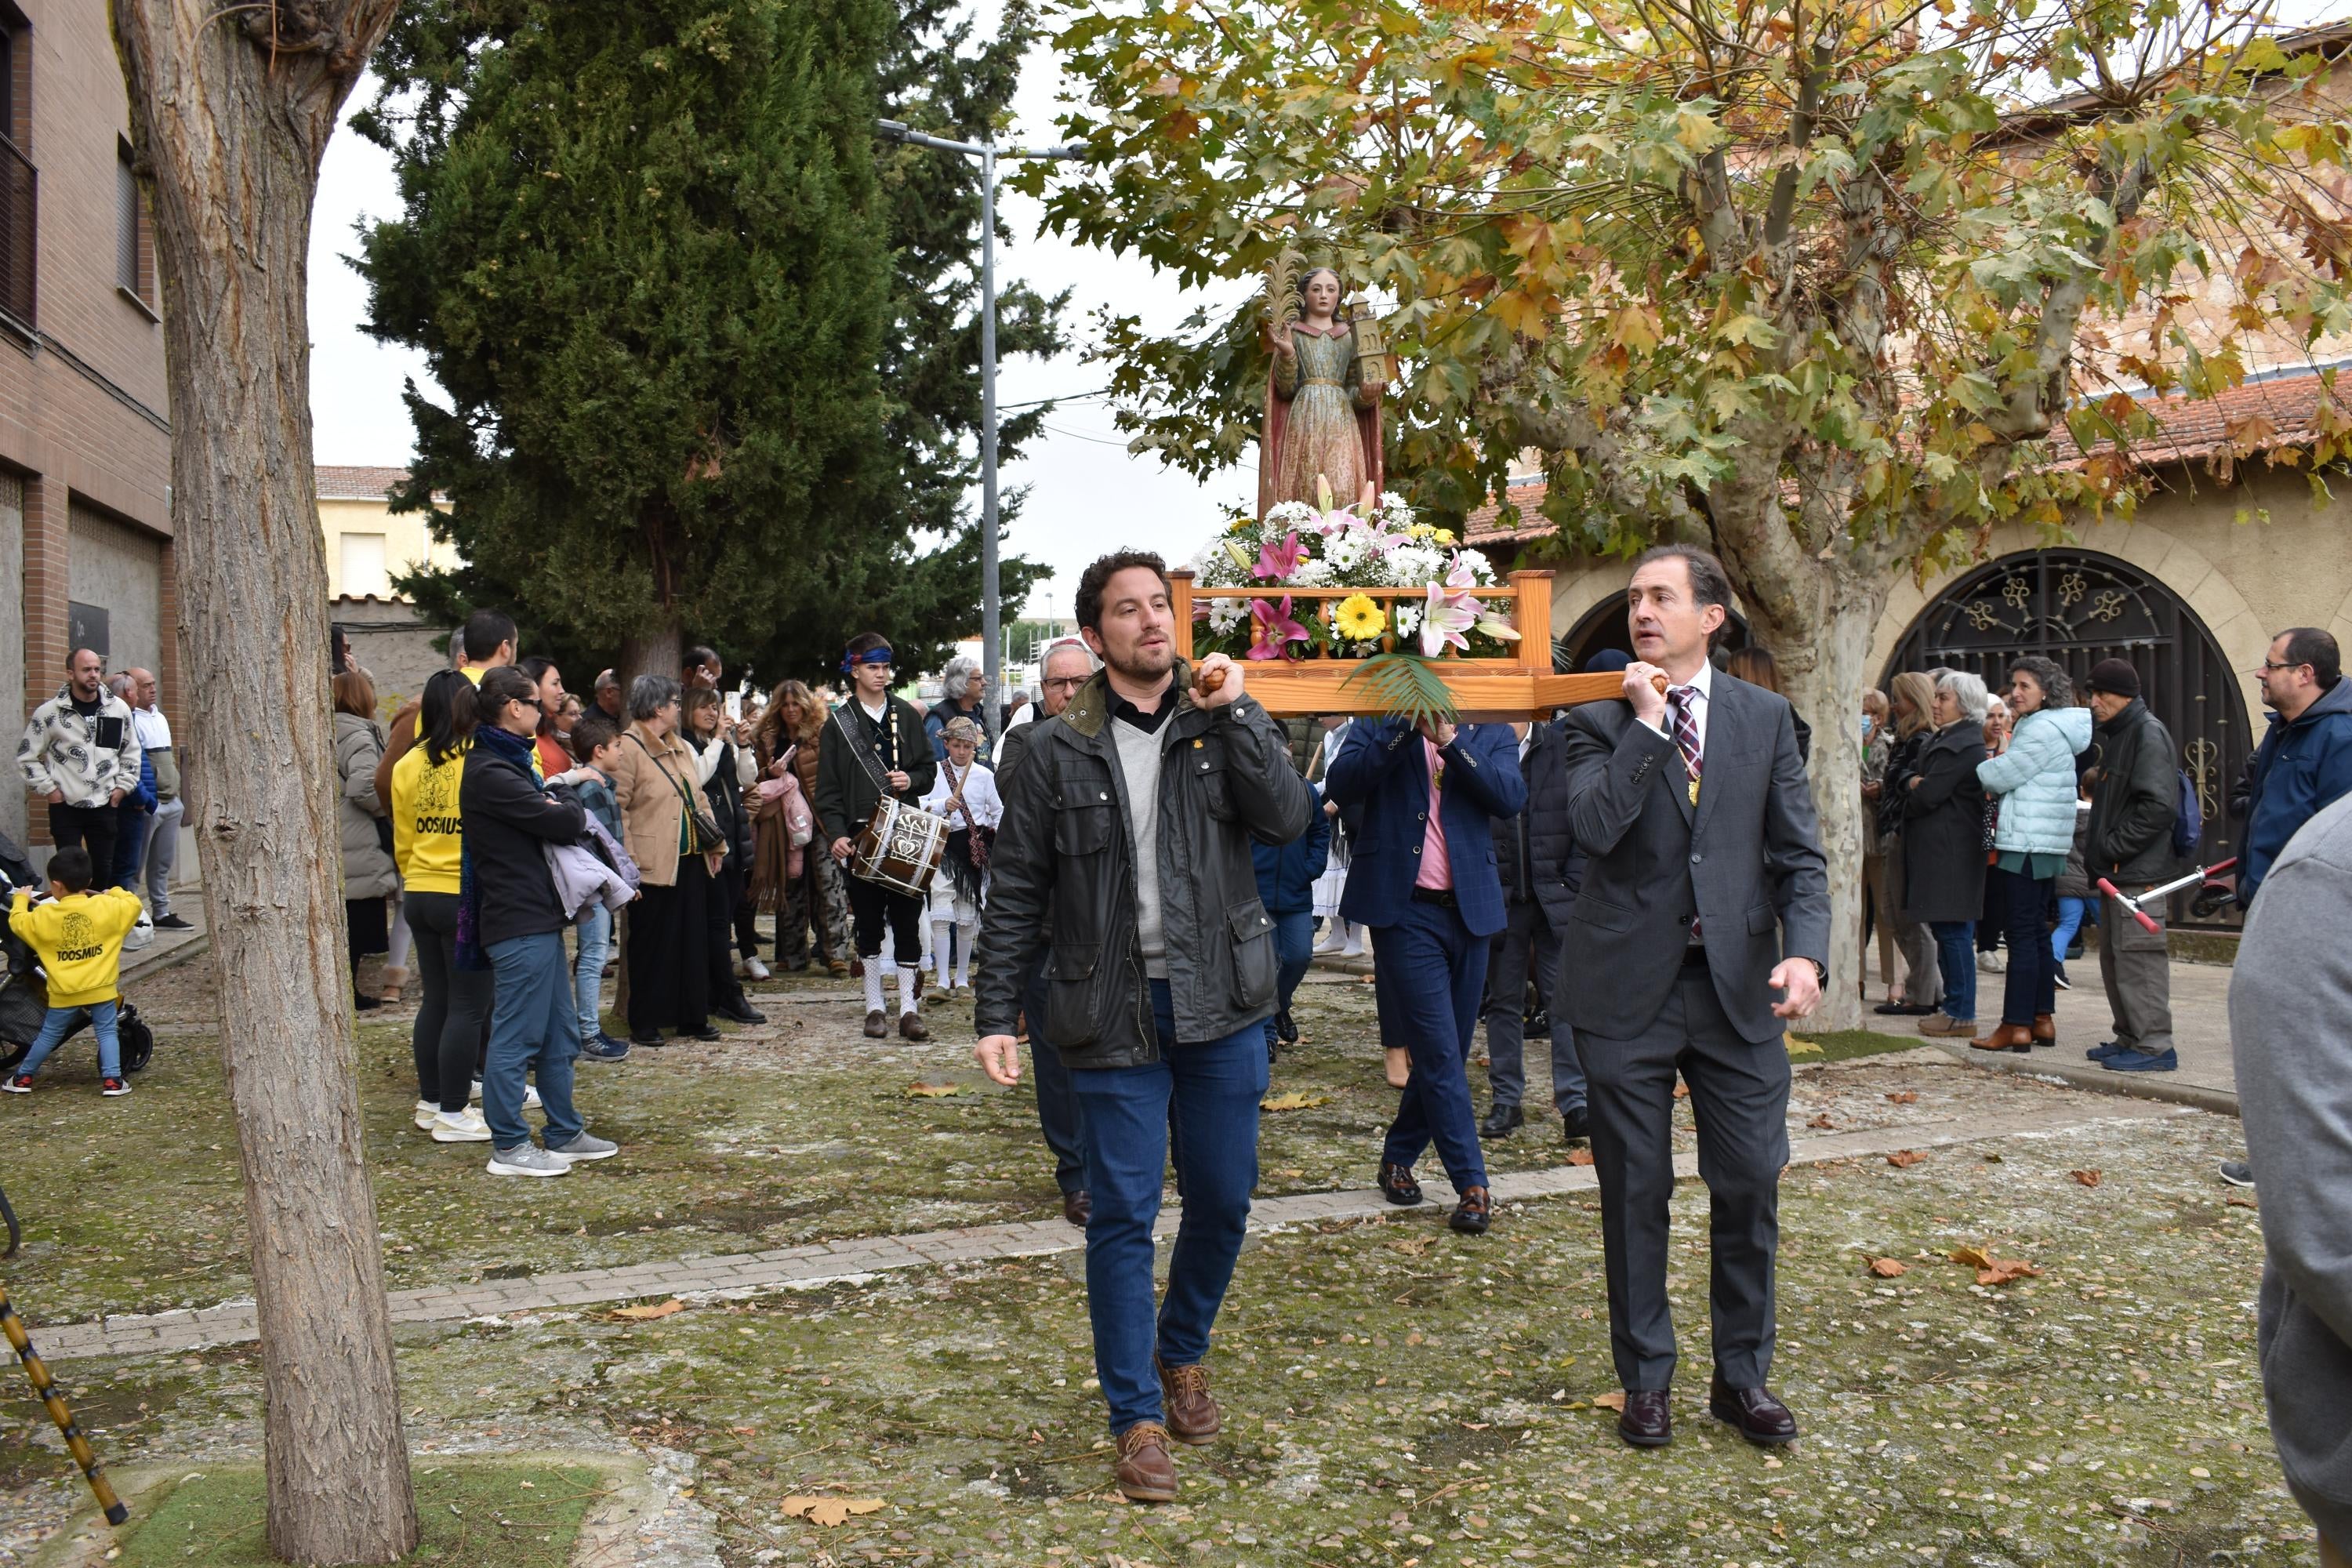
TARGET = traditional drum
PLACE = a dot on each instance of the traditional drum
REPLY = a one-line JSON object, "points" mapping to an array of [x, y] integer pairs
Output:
{"points": [[900, 848]]}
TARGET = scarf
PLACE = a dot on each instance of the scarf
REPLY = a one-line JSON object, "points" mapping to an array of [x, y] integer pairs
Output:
{"points": [[494, 744]]}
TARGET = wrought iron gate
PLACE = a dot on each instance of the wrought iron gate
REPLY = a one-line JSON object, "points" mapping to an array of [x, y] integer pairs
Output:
{"points": [[2076, 608]]}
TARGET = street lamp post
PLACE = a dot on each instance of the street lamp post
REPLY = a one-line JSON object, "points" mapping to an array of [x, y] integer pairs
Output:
{"points": [[990, 610]]}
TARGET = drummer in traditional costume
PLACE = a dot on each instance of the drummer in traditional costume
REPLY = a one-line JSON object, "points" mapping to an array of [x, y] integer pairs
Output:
{"points": [[965, 795], [875, 744]]}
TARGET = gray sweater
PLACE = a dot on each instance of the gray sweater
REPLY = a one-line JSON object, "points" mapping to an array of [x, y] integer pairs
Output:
{"points": [[2291, 1030]]}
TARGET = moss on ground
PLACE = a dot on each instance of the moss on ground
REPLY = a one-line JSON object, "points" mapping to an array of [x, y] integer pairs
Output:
{"points": [[1395, 1394], [471, 1512]]}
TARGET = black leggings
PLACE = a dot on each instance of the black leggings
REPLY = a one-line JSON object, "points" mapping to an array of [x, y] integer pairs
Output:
{"points": [[871, 905], [452, 1022]]}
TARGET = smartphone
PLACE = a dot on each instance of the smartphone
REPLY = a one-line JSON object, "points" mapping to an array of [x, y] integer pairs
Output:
{"points": [[732, 703]]}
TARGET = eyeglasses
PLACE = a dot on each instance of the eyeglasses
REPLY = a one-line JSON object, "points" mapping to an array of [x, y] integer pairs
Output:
{"points": [[1067, 682], [2271, 664]]}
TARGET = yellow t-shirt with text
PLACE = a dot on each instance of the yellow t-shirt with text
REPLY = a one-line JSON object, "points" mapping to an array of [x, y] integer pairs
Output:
{"points": [[78, 939], [427, 841]]}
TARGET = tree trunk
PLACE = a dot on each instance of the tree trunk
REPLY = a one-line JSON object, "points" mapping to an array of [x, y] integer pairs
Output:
{"points": [[1819, 630], [232, 109], [660, 651]]}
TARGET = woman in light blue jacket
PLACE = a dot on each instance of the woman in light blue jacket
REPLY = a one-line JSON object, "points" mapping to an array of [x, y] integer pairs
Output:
{"points": [[2033, 776]]}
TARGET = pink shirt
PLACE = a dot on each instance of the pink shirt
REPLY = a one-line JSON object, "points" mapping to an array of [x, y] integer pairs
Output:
{"points": [[1436, 866]]}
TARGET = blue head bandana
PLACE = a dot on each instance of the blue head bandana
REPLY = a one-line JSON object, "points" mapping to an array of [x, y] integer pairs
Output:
{"points": [[850, 661]]}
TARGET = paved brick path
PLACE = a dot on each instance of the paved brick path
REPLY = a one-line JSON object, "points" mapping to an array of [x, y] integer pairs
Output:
{"points": [[832, 1262]]}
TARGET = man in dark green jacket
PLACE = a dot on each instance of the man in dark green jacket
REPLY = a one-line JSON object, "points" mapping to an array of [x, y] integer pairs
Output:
{"points": [[2128, 840], [1133, 813], [872, 742]]}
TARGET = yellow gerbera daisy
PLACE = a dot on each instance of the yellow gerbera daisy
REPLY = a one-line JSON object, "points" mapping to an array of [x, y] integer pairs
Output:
{"points": [[1443, 536], [1359, 619]]}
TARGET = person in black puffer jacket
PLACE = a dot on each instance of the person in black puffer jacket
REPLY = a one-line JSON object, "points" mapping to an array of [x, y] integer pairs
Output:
{"points": [[509, 912], [725, 768]]}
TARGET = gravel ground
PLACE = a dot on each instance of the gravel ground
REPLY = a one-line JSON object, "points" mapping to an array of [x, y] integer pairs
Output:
{"points": [[1394, 1394]]}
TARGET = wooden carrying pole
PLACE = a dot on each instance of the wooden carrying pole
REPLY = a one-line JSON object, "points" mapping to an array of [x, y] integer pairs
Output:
{"points": [[1520, 687]]}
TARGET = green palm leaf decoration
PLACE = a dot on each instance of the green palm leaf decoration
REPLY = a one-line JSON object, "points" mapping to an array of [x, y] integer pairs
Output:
{"points": [[1405, 686]]}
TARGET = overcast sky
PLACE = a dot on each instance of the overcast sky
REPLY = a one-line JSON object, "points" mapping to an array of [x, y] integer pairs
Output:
{"points": [[1087, 495]]}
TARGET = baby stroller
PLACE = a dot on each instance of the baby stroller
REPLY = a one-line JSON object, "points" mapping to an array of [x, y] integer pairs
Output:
{"points": [[25, 996]]}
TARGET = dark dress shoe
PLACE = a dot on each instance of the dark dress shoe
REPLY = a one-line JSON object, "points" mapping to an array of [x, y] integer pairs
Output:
{"points": [[1472, 1214], [741, 1013], [650, 1041], [1398, 1186], [1903, 1009], [1501, 1120], [1575, 1126], [911, 1026], [1078, 1207], [1760, 1418], [1284, 1029], [876, 1026], [1648, 1419], [704, 1033]]}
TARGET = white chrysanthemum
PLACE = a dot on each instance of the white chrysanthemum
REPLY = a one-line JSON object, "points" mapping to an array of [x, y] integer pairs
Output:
{"points": [[1346, 551], [1312, 575], [1408, 619], [1480, 567], [1414, 565], [1288, 515], [1226, 616], [1394, 512]]}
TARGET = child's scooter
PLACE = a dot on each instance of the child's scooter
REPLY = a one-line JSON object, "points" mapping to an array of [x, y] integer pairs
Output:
{"points": [[2211, 895]]}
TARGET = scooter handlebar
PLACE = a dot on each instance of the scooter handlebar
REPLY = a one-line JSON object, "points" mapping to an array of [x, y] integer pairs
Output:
{"points": [[2113, 893]]}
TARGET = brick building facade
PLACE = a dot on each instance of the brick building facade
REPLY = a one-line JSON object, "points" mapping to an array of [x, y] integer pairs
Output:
{"points": [[85, 437]]}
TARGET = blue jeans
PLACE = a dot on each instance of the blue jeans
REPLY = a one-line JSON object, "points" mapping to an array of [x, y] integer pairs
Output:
{"points": [[52, 1034], [1293, 950], [533, 1022], [2032, 985], [2072, 913], [1059, 1117], [1428, 973], [595, 938], [1207, 1092], [1956, 958]]}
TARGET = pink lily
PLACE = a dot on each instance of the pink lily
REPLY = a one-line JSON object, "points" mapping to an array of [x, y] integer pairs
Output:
{"points": [[1443, 618], [1459, 578], [1275, 561], [1272, 629]]}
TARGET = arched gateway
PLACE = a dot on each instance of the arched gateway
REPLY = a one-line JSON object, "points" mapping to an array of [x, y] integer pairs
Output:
{"points": [[2077, 607]]}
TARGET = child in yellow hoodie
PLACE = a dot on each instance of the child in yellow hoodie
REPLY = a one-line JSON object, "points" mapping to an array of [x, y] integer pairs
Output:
{"points": [[77, 936]]}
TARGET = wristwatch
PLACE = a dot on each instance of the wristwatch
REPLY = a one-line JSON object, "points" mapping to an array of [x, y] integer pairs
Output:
{"points": [[1821, 972]]}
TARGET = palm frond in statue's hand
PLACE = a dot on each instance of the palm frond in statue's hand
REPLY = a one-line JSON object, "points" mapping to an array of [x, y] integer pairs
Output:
{"points": [[1405, 686]]}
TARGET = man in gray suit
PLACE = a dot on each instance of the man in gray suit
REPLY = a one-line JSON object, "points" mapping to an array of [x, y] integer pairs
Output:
{"points": [[1705, 891]]}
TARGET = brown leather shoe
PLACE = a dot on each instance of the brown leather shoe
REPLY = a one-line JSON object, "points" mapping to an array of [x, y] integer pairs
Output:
{"points": [[2045, 1029], [1760, 1418], [1193, 1413], [2006, 1037], [1943, 1026], [1398, 1186], [911, 1026], [1144, 1470], [1078, 1207], [1472, 1214], [876, 1025]]}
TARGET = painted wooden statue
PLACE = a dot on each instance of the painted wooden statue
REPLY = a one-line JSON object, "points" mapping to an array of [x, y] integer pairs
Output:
{"points": [[1323, 395]]}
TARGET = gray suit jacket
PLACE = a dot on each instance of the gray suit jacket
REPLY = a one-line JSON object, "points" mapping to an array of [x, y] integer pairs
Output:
{"points": [[1745, 860]]}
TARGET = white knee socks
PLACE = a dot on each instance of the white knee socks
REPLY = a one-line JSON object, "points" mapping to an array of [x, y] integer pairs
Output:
{"points": [[963, 956], [872, 983], [941, 943], [906, 1002]]}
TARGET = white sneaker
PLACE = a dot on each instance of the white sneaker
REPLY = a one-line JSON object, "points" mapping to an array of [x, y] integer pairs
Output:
{"points": [[426, 1111], [751, 969], [465, 1127], [1993, 963], [526, 1160], [530, 1097], [140, 935], [587, 1146], [474, 1093]]}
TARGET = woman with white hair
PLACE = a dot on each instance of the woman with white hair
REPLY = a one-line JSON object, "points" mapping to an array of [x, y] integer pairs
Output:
{"points": [[1944, 845], [960, 685], [965, 793]]}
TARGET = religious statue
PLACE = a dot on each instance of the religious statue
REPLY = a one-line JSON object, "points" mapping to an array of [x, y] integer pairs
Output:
{"points": [[1323, 395]]}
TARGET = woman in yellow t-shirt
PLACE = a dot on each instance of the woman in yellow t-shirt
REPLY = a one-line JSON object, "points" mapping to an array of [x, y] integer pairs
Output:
{"points": [[429, 845]]}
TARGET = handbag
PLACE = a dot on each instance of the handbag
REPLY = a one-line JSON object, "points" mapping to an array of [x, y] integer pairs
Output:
{"points": [[704, 836]]}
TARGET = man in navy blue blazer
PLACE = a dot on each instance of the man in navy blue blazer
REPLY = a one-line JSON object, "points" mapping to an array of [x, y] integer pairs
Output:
{"points": [[1422, 876]]}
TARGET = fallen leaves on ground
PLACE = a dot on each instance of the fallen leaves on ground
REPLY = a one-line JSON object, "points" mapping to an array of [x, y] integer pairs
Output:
{"points": [[1903, 1097], [1297, 1099], [2238, 1202], [648, 1313], [1584, 1157], [829, 1511], [1614, 1400], [1991, 1271], [932, 1090], [1888, 1269], [1412, 1245], [2088, 1178], [1681, 1091], [1798, 1048], [1822, 1123], [1903, 1159]]}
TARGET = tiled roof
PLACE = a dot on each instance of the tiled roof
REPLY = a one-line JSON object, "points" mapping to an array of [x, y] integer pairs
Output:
{"points": [[2258, 417], [337, 482]]}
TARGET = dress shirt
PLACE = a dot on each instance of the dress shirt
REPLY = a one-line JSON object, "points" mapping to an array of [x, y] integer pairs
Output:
{"points": [[1436, 866], [1703, 689]]}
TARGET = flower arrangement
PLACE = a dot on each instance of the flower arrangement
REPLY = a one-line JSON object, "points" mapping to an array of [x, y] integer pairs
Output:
{"points": [[1382, 550]]}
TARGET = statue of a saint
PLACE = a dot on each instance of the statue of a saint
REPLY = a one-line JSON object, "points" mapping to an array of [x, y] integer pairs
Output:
{"points": [[1322, 398]]}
